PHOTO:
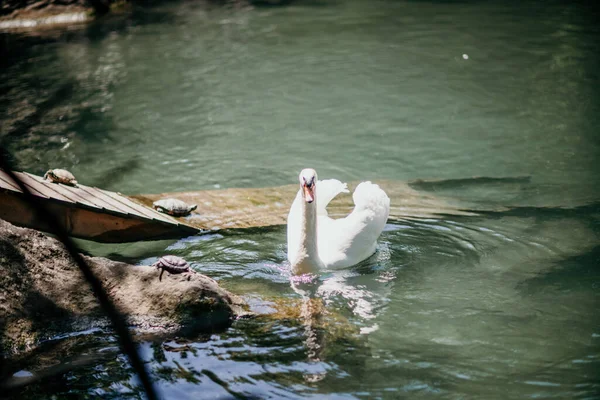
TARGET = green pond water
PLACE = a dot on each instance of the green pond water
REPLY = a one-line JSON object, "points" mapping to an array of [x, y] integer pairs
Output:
{"points": [[188, 96]]}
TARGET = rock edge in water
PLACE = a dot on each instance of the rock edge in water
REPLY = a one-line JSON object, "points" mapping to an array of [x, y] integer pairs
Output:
{"points": [[33, 14], [43, 293], [42, 21]]}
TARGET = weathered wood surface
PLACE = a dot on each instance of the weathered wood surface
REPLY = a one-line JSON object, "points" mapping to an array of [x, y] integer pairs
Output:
{"points": [[87, 212], [254, 207]]}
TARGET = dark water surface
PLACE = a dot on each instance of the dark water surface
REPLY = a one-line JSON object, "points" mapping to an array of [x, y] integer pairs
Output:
{"points": [[503, 305]]}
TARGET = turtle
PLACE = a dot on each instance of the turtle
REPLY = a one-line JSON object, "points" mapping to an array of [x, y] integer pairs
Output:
{"points": [[60, 176], [172, 264], [173, 207]]}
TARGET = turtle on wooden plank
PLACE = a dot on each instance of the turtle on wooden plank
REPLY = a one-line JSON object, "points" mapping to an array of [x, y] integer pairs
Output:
{"points": [[59, 175], [174, 207]]}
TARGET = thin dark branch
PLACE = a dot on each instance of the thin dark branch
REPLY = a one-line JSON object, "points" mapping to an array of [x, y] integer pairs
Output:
{"points": [[118, 321]]}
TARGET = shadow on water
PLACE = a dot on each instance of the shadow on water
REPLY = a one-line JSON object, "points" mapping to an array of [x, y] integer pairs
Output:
{"points": [[60, 94], [579, 272], [213, 377], [42, 136], [101, 371], [117, 173], [576, 277], [435, 185], [588, 214], [16, 46], [44, 112]]}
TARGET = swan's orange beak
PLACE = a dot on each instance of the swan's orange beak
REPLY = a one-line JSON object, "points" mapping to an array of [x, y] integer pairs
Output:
{"points": [[309, 193]]}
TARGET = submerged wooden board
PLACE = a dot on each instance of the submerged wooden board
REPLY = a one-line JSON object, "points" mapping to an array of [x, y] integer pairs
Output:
{"points": [[254, 207], [87, 212]]}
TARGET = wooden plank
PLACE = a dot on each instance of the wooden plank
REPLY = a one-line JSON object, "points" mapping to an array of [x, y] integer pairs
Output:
{"points": [[14, 210], [108, 228], [89, 224], [52, 190], [110, 204], [105, 195], [87, 212], [35, 187], [73, 193], [7, 183], [90, 198], [150, 213], [155, 214]]}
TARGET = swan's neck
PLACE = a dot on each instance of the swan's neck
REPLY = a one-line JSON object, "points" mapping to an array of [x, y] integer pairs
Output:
{"points": [[308, 233], [308, 256]]}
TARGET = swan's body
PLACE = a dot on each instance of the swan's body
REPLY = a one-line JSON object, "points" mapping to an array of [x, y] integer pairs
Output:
{"points": [[316, 241]]}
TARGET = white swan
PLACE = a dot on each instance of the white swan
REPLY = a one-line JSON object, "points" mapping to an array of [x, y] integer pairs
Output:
{"points": [[316, 241]]}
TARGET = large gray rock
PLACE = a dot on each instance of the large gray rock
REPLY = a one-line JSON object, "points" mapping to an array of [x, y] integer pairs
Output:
{"points": [[42, 293]]}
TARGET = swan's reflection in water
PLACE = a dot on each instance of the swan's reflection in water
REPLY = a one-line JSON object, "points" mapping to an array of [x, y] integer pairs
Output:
{"points": [[311, 317], [340, 290]]}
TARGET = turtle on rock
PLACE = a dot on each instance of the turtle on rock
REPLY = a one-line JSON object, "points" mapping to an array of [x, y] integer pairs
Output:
{"points": [[174, 207], [173, 265], [60, 176]]}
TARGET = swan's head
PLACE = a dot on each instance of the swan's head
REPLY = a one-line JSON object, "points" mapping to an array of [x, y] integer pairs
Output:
{"points": [[308, 183]]}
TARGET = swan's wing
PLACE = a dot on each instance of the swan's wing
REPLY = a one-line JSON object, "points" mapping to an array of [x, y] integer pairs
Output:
{"points": [[370, 197], [326, 191], [347, 241]]}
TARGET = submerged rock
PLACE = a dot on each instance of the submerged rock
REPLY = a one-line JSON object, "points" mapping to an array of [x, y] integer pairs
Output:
{"points": [[43, 293], [255, 207]]}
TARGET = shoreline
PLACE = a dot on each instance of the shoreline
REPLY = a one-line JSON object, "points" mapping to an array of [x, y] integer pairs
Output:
{"points": [[44, 294], [41, 15], [44, 20]]}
